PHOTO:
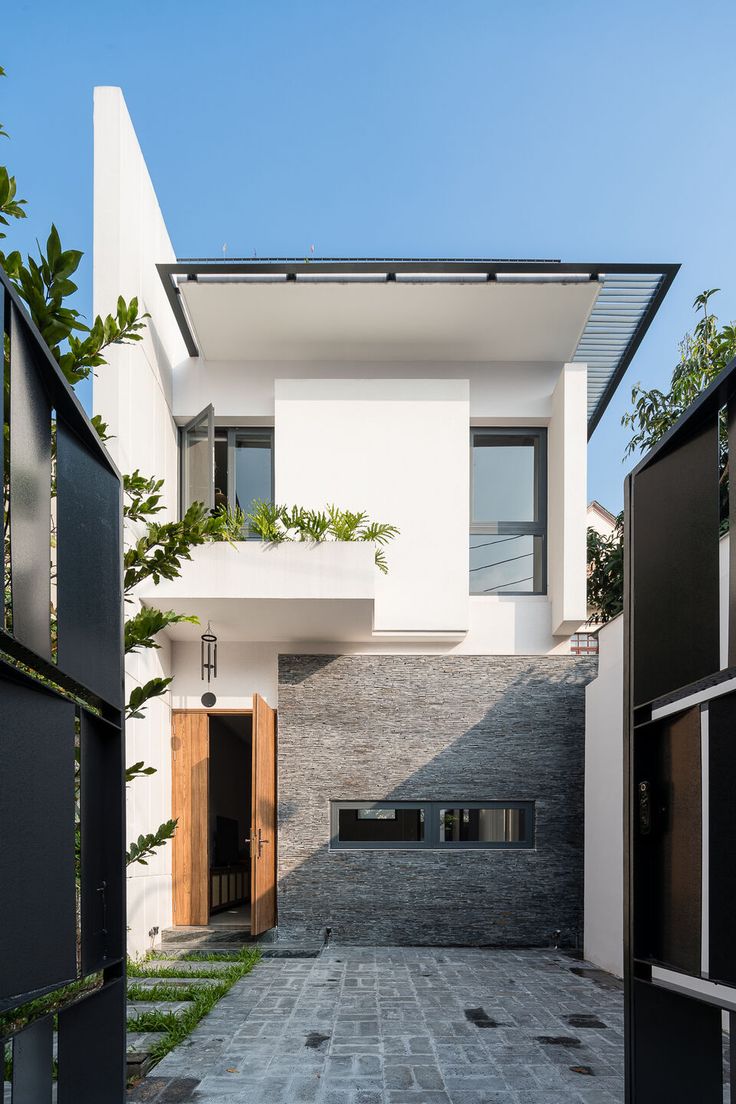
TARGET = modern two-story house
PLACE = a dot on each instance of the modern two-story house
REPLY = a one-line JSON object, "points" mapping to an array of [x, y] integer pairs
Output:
{"points": [[397, 758]]}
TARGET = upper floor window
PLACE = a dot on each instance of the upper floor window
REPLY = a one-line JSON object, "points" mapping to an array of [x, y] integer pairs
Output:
{"points": [[508, 511], [221, 466]]}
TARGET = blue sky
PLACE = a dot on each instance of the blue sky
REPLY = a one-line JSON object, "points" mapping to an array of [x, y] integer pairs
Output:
{"points": [[403, 128]]}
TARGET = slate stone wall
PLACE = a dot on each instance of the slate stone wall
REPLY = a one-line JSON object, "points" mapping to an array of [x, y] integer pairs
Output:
{"points": [[436, 728]]}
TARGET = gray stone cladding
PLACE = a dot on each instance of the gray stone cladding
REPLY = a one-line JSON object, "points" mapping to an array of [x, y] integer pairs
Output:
{"points": [[460, 728]]}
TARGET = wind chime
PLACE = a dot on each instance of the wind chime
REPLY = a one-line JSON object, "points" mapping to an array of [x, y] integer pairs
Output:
{"points": [[208, 663]]}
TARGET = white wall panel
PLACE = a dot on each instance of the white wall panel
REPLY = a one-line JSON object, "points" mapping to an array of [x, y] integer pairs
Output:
{"points": [[399, 450]]}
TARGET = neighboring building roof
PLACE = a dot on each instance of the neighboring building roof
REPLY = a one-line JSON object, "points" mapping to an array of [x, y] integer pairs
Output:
{"points": [[542, 310], [600, 518]]}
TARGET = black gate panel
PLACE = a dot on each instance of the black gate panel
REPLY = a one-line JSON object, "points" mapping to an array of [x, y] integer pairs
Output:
{"points": [[668, 849], [30, 491], [102, 845], [675, 564], [676, 1048], [33, 1063], [680, 757], [38, 898], [722, 839], [92, 1048], [89, 568], [62, 748]]}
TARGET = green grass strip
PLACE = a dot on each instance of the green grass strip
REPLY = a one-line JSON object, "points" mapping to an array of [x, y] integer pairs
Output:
{"points": [[202, 998], [158, 970], [243, 955]]}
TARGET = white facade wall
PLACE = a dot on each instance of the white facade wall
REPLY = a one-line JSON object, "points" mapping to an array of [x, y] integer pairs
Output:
{"points": [[133, 395], [604, 797], [244, 391], [567, 501], [390, 438], [399, 450]]}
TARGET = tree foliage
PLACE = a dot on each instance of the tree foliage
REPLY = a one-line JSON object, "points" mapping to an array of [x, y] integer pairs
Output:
{"points": [[142, 849], [45, 285], [704, 353], [606, 572]]}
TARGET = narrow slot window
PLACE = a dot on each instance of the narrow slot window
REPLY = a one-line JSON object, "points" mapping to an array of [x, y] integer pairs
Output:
{"points": [[435, 825]]}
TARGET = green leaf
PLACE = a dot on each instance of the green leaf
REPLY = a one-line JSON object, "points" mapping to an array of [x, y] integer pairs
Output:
{"points": [[139, 695], [144, 847], [141, 628]]}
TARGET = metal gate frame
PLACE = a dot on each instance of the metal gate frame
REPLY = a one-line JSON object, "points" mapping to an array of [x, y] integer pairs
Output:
{"points": [[62, 750], [680, 762]]}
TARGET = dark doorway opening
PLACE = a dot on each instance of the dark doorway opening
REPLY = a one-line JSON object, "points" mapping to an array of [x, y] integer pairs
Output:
{"points": [[229, 818]]}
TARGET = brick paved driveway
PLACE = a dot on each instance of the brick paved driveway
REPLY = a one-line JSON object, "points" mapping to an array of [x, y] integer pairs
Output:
{"points": [[405, 1026]]}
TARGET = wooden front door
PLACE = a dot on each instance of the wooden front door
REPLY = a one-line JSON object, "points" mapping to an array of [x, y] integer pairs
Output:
{"points": [[263, 819], [190, 760]]}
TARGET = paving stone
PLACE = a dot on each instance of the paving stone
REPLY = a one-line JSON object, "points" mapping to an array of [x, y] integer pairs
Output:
{"points": [[385, 1025], [176, 983], [140, 1008], [142, 1041], [184, 967]]}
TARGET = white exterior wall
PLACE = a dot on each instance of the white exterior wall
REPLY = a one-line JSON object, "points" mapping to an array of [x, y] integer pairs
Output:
{"points": [[244, 391], [133, 395], [391, 438], [399, 450], [604, 765], [567, 500], [604, 797]]}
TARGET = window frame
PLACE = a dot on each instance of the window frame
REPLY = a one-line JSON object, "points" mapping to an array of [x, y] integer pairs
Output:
{"points": [[499, 527], [232, 435], [228, 433], [431, 841]]}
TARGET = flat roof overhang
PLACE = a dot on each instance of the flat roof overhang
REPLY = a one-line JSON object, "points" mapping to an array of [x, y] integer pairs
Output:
{"points": [[356, 309]]}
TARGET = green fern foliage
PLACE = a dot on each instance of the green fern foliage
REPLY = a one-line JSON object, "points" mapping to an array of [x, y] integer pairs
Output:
{"points": [[276, 524]]}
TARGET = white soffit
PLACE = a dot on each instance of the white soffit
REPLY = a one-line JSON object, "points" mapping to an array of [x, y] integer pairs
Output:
{"points": [[418, 320]]}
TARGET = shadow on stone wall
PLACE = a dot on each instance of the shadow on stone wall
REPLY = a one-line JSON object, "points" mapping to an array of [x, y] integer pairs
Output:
{"points": [[459, 728]]}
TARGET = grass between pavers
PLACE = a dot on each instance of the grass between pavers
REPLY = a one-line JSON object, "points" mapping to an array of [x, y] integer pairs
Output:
{"points": [[201, 998]]}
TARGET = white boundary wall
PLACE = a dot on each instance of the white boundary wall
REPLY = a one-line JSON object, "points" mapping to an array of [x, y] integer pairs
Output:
{"points": [[604, 795]]}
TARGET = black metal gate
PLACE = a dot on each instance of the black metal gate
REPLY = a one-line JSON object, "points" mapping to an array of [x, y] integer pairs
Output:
{"points": [[62, 875], [680, 749]]}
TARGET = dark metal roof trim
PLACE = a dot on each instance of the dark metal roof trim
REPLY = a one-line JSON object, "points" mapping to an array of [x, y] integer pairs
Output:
{"points": [[616, 327]]}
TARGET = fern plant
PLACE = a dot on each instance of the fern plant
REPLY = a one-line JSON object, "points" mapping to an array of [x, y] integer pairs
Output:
{"points": [[275, 523]]}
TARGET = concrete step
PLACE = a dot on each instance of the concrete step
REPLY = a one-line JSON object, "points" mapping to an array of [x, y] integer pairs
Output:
{"points": [[176, 983], [195, 936], [268, 950], [140, 1008], [140, 1042], [182, 966]]}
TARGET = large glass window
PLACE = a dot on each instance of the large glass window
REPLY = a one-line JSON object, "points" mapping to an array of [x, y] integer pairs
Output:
{"points": [[226, 466], [252, 451], [508, 511], [432, 824]]}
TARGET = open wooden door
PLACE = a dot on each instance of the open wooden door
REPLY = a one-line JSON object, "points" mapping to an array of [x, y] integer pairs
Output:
{"points": [[190, 761], [263, 819]]}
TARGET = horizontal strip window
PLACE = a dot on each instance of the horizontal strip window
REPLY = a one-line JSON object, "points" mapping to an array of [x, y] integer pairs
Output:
{"points": [[437, 825], [508, 511]]}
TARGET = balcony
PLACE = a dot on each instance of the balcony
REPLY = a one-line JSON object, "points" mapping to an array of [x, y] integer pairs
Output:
{"points": [[253, 590]]}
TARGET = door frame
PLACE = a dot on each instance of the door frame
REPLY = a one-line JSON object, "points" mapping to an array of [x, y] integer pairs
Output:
{"points": [[195, 846]]}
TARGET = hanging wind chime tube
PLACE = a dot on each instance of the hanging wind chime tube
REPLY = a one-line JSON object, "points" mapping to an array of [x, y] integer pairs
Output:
{"points": [[209, 654]]}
